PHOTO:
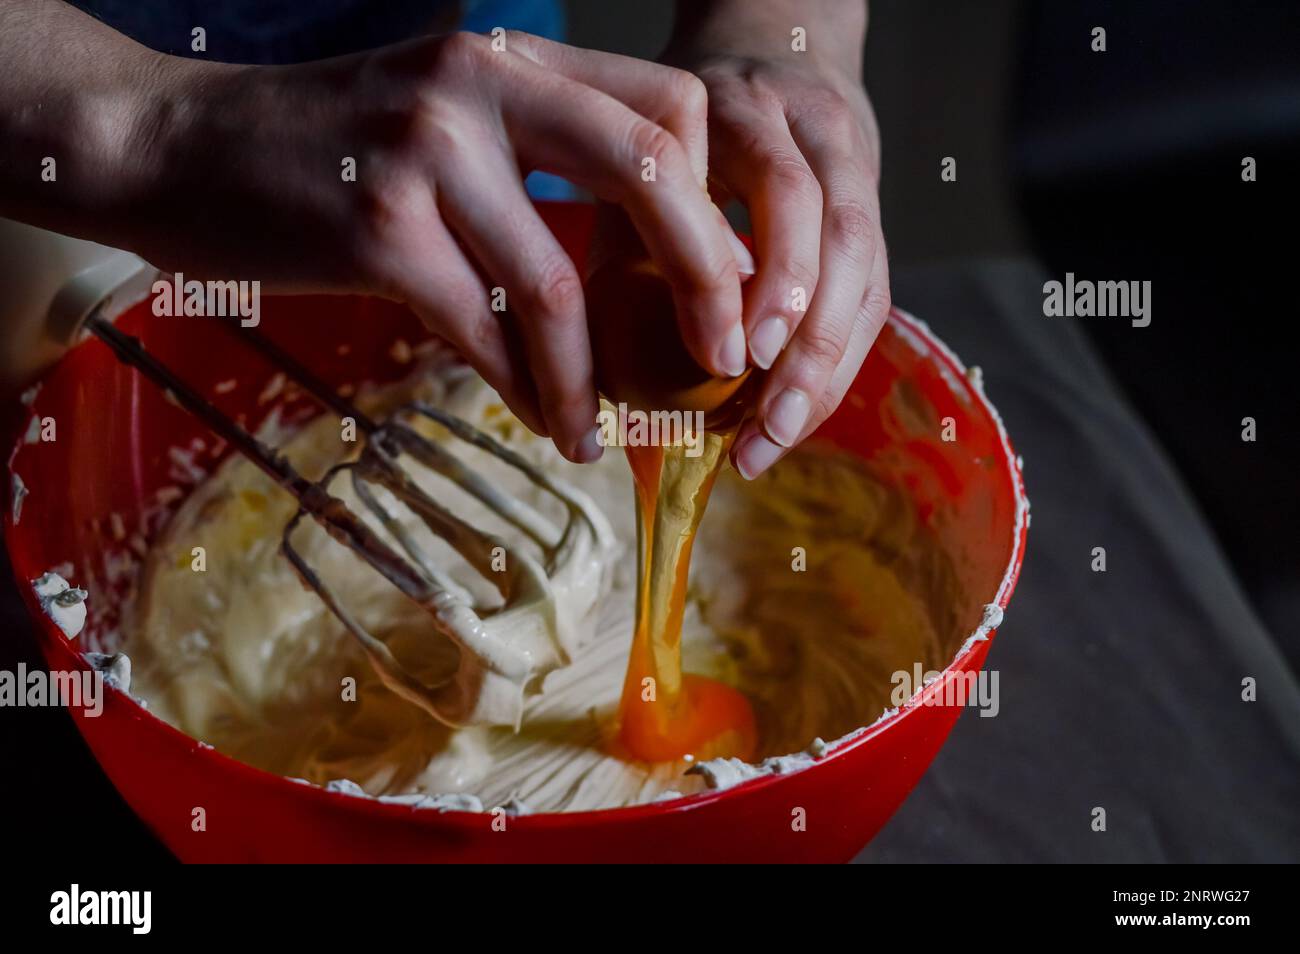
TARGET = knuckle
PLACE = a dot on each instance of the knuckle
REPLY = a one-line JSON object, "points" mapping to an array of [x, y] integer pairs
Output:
{"points": [[825, 406], [554, 289], [386, 205], [874, 312], [479, 332], [878, 299], [689, 95], [849, 224], [463, 49], [787, 173], [713, 275], [440, 132], [802, 273], [520, 42], [768, 101], [473, 332], [822, 348], [652, 141], [829, 107]]}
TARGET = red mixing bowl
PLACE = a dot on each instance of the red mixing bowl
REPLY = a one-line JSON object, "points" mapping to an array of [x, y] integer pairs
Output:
{"points": [[93, 499]]}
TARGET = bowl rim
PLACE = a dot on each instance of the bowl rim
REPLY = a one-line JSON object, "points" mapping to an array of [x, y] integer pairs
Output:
{"points": [[921, 338]]}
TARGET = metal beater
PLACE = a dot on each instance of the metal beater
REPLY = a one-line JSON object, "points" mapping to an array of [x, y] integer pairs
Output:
{"points": [[546, 603]]}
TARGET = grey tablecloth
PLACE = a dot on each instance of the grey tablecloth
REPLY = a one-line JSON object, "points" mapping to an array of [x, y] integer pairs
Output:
{"points": [[1120, 690]]}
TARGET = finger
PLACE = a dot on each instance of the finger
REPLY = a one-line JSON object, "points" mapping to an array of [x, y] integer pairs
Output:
{"points": [[673, 98], [872, 317], [753, 453], [758, 161], [850, 243], [591, 138], [443, 288], [487, 207], [614, 236]]}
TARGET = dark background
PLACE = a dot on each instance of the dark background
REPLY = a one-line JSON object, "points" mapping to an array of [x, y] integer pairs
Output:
{"points": [[1122, 165]]}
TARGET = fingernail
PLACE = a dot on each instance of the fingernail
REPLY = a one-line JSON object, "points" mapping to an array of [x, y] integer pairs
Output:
{"points": [[756, 456], [732, 357], [786, 416], [590, 448], [767, 340], [744, 260]]}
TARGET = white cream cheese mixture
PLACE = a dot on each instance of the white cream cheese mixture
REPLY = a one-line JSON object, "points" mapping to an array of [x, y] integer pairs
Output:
{"points": [[810, 587], [63, 603]]}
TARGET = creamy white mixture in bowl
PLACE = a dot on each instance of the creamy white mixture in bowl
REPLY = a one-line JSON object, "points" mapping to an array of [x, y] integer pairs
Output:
{"points": [[811, 587]]}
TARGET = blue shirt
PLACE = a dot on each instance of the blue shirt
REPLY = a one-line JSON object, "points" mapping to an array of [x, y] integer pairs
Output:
{"points": [[294, 31]]}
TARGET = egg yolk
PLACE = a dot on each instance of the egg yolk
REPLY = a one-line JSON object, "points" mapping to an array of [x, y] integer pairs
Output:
{"points": [[665, 715]]}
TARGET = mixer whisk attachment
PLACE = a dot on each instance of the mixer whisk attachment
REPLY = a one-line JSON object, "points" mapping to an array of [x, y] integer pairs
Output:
{"points": [[549, 600]]}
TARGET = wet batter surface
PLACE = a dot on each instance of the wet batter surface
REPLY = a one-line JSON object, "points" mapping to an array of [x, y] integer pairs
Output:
{"points": [[809, 588]]}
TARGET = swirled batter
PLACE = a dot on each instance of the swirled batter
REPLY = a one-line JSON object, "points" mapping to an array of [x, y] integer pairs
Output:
{"points": [[809, 588]]}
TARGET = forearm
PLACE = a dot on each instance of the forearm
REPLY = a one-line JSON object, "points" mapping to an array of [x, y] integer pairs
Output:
{"points": [[106, 140], [835, 30], [80, 106], [192, 164]]}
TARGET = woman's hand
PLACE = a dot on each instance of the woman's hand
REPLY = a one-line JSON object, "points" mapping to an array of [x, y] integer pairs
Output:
{"points": [[443, 131], [229, 171], [793, 136]]}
